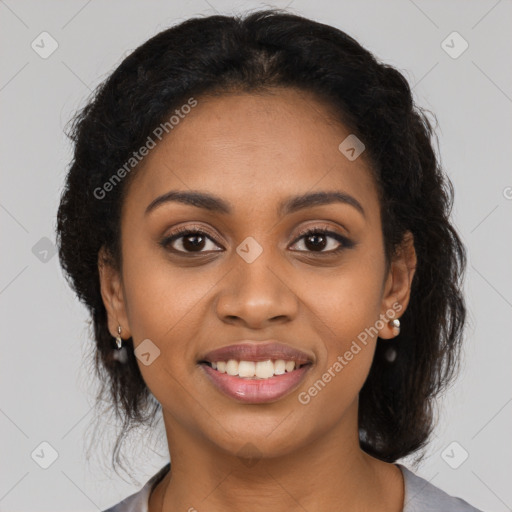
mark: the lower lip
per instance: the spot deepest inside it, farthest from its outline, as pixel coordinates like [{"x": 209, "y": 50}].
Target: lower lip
[{"x": 256, "y": 391}]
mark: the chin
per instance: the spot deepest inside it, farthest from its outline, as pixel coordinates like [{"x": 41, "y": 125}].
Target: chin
[{"x": 256, "y": 441}]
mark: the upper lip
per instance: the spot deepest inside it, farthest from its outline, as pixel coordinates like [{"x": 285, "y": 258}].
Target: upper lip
[{"x": 257, "y": 351}]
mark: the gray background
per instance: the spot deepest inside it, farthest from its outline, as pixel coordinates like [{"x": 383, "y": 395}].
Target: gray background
[{"x": 47, "y": 390}]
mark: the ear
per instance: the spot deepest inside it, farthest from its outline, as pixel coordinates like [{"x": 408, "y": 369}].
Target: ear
[
  {"x": 397, "y": 287},
  {"x": 112, "y": 295}
]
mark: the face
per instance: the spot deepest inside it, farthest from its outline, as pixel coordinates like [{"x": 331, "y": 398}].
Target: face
[{"x": 248, "y": 272}]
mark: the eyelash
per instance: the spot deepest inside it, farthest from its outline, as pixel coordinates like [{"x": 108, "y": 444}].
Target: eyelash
[{"x": 345, "y": 243}]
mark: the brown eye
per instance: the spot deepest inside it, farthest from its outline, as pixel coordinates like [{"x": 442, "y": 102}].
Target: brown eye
[
  {"x": 189, "y": 241},
  {"x": 317, "y": 240}
]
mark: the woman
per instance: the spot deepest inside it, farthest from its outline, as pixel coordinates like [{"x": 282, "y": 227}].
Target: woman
[{"x": 257, "y": 221}]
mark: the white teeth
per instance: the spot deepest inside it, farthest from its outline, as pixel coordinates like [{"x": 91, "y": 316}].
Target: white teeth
[
  {"x": 264, "y": 369},
  {"x": 232, "y": 367},
  {"x": 247, "y": 369},
  {"x": 254, "y": 369},
  {"x": 279, "y": 367}
]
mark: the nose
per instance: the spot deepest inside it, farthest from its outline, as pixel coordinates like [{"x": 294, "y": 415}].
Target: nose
[{"x": 257, "y": 294}]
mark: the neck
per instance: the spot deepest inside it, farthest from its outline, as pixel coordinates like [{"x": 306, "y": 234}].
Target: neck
[{"x": 329, "y": 473}]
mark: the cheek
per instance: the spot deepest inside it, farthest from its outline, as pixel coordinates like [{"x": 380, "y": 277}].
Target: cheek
[
  {"x": 168, "y": 306},
  {"x": 345, "y": 308},
  {"x": 346, "y": 300},
  {"x": 159, "y": 295}
]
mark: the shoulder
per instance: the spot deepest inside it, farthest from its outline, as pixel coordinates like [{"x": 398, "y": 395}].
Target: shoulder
[
  {"x": 422, "y": 496},
  {"x": 138, "y": 502}
]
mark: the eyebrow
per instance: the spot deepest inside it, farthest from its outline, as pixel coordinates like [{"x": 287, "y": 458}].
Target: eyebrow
[{"x": 290, "y": 205}]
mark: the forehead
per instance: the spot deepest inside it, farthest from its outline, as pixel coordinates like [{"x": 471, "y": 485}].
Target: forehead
[{"x": 250, "y": 148}]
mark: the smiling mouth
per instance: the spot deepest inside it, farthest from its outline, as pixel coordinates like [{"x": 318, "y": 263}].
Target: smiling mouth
[
  {"x": 255, "y": 382},
  {"x": 255, "y": 370}
]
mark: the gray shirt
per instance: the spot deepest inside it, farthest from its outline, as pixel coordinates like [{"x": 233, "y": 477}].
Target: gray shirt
[{"x": 420, "y": 496}]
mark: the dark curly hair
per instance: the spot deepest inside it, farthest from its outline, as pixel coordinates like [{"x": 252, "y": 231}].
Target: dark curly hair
[{"x": 259, "y": 52}]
